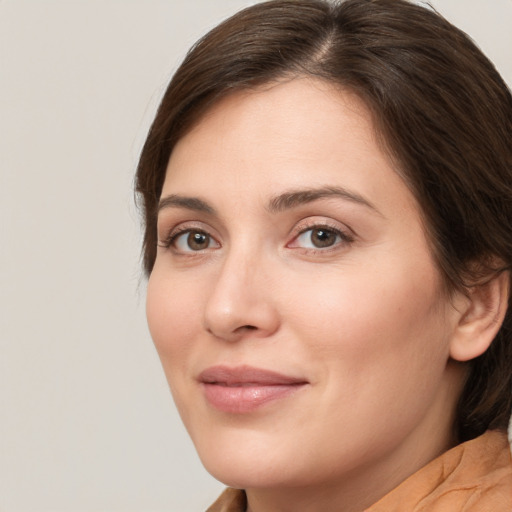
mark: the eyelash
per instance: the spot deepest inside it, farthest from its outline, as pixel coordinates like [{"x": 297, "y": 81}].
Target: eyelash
[
  {"x": 174, "y": 234},
  {"x": 344, "y": 237}
]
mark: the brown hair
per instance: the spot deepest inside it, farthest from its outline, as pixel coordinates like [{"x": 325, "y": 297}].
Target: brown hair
[{"x": 441, "y": 108}]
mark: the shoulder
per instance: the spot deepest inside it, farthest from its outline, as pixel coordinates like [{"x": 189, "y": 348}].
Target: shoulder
[
  {"x": 231, "y": 500},
  {"x": 475, "y": 476}
]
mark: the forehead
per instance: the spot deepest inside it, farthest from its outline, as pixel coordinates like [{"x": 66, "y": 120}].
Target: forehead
[{"x": 302, "y": 132}]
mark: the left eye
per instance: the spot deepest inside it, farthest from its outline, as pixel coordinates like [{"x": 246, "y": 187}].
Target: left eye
[
  {"x": 193, "y": 241},
  {"x": 318, "y": 238}
]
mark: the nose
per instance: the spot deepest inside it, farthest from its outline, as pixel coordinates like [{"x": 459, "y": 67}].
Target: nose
[{"x": 241, "y": 302}]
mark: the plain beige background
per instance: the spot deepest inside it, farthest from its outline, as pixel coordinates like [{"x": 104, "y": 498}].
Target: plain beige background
[{"x": 86, "y": 420}]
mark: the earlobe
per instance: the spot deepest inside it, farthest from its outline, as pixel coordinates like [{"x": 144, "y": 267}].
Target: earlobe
[{"x": 480, "y": 320}]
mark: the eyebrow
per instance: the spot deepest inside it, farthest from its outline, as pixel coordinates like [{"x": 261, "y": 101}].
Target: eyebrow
[
  {"x": 189, "y": 203},
  {"x": 279, "y": 203},
  {"x": 295, "y": 198}
]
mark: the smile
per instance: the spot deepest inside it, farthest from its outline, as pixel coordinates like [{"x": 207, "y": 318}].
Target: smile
[{"x": 244, "y": 389}]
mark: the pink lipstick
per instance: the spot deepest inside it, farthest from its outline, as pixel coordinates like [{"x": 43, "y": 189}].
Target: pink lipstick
[{"x": 244, "y": 389}]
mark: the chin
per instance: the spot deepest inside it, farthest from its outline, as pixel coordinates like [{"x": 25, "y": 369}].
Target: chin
[
  {"x": 247, "y": 463},
  {"x": 253, "y": 475}
]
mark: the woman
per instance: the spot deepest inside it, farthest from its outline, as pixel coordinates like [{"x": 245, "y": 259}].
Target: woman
[{"x": 327, "y": 198}]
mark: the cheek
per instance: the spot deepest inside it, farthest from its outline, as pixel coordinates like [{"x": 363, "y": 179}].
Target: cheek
[
  {"x": 173, "y": 314},
  {"x": 378, "y": 346},
  {"x": 373, "y": 319}
]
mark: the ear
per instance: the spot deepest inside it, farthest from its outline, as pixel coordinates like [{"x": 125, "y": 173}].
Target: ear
[{"x": 480, "y": 317}]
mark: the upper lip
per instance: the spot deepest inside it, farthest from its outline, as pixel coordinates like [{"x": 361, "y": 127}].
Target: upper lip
[{"x": 246, "y": 375}]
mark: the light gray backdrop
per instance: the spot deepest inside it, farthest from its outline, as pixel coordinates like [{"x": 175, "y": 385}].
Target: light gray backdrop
[{"x": 86, "y": 420}]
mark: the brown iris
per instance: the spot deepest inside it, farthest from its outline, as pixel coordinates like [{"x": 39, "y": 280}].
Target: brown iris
[
  {"x": 323, "y": 237},
  {"x": 198, "y": 241}
]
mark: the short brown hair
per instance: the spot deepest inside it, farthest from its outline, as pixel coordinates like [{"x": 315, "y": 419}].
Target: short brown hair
[{"x": 442, "y": 110}]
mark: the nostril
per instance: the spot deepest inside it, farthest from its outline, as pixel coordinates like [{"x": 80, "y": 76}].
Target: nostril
[{"x": 248, "y": 327}]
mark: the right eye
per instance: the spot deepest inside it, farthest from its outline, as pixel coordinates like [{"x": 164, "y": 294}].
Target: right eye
[{"x": 192, "y": 240}]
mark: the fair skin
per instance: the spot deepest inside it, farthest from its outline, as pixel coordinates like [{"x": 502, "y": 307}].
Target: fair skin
[{"x": 289, "y": 243}]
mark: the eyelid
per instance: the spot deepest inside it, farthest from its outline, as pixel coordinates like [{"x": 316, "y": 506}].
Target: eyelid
[
  {"x": 181, "y": 242},
  {"x": 346, "y": 234},
  {"x": 176, "y": 231}
]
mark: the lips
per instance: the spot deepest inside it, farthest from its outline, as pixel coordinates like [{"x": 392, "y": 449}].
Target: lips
[{"x": 244, "y": 389}]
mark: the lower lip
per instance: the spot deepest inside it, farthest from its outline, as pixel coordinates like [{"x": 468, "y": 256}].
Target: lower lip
[{"x": 244, "y": 399}]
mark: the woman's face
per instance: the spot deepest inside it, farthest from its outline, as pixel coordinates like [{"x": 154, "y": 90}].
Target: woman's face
[{"x": 294, "y": 302}]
